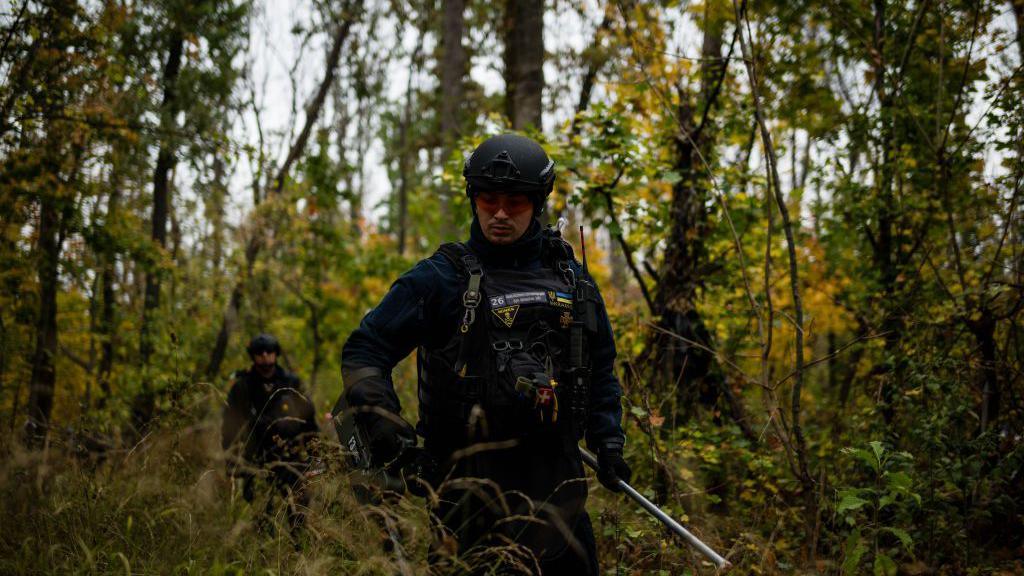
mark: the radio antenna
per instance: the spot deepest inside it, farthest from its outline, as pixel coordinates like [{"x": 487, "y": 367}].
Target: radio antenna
[{"x": 583, "y": 251}]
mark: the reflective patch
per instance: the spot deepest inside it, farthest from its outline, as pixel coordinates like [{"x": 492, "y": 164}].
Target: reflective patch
[
  {"x": 517, "y": 298},
  {"x": 507, "y": 314}
]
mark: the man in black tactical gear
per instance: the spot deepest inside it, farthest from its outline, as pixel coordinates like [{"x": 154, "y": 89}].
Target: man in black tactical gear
[
  {"x": 515, "y": 362},
  {"x": 275, "y": 421}
]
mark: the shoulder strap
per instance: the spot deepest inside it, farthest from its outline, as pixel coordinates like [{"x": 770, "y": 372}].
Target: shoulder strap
[
  {"x": 558, "y": 255},
  {"x": 454, "y": 253},
  {"x": 468, "y": 265},
  {"x": 557, "y": 248}
]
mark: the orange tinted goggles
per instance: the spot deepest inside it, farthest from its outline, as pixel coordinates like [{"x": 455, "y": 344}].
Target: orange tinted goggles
[{"x": 512, "y": 204}]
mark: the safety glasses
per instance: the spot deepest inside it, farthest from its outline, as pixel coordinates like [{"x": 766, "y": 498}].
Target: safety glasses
[{"x": 512, "y": 204}]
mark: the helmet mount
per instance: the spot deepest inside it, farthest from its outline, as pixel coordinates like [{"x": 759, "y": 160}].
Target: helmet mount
[{"x": 501, "y": 166}]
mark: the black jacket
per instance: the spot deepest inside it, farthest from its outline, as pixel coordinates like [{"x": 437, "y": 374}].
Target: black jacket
[
  {"x": 424, "y": 308},
  {"x": 271, "y": 416}
]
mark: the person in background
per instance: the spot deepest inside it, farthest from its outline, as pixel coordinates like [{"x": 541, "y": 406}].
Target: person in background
[{"x": 268, "y": 427}]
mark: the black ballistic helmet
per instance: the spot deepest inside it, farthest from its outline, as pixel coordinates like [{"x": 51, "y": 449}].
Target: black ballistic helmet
[
  {"x": 263, "y": 343},
  {"x": 510, "y": 163}
]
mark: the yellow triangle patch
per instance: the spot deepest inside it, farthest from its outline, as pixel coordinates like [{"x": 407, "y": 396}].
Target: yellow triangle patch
[{"x": 506, "y": 314}]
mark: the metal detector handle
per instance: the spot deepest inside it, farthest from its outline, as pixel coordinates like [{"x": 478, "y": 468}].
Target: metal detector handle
[{"x": 720, "y": 563}]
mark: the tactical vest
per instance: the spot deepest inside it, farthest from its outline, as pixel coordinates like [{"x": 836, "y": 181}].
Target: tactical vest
[
  {"x": 276, "y": 408},
  {"x": 508, "y": 371}
]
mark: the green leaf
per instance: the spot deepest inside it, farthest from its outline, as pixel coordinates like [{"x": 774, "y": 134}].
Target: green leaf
[
  {"x": 878, "y": 449},
  {"x": 850, "y": 501},
  {"x": 671, "y": 177},
  {"x": 884, "y": 566},
  {"x": 864, "y": 456},
  {"x": 853, "y": 551},
  {"x": 903, "y": 536},
  {"x": 899, "y": 481}
]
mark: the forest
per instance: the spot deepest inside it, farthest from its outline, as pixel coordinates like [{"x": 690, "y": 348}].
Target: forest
[{"x": 804, "y": 217}]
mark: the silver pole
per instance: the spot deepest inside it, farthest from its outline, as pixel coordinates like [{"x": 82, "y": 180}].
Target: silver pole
[{"x": 720, "y": 563}]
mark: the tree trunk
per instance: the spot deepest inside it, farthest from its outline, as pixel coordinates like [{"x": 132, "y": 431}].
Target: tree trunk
[
  {"x": 524, "y": 62},
  {"x": 619, "y": 275},
  {"x": 107, "y": 321},
  {"x": 176, "y": 240},
  {"x": 215, "y": 212},
  {"x": 984, "y": 330},
  {"x": 885, "y": 245},
  {"x": 164, "y": 165},
  {"x": 44, "y": 374},
  {"x": 220, "y": 345},
  {"x": 596, "y": 59},
  {"x": 680, "y": 275},
  {"x": 318, "y": 357},
  {"x": 453, "y": 73},
  {"x": 406, "y": 150}
]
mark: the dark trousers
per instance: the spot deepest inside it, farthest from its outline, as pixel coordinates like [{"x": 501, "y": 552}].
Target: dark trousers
[
  {"x": 286, "y": 482},
  {"x": 518, "y": 505},
  {"x": 576, "y": 562}
]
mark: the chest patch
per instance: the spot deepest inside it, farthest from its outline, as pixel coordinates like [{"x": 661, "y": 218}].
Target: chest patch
[
  {"x": 517, "y": 298},
  {"x": 565, "y": 320},
  {"x": 560, "y": 299},
  {"x": 507, "y": 314}
]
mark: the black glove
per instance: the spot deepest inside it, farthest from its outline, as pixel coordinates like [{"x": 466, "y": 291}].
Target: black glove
[
  {"x": 419, "y": 469},
  {"x": 387, "y": 437},
  {"x": 612, "y": 468}
]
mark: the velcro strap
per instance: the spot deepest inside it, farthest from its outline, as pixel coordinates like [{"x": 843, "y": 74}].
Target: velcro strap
[{"x": 353, "y": 376}]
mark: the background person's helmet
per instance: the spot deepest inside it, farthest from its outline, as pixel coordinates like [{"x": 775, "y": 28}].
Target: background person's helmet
[
  {"x": 510, "y": 163},
  {"x": 263, "y": 343}
]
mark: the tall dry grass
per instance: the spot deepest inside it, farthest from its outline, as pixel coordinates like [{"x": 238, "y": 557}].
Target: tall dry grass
[{"x": 164, "y": 505}]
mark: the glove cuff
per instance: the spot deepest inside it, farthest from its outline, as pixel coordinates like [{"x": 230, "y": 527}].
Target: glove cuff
[{"x": 610, "y": 444}]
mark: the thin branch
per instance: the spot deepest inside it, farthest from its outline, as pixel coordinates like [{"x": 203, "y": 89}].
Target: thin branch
[
  {"x": 593, "y": 67},
  {"x": 835, "y": 354},
  {"x": 721, "y": 358},
  {"x": 910, "y": 42},
  {"x": 787, "y": 226},
  {"x": 314, "y": 106},
  {"x": 766, "y": 340},
  {"x": 715, "y": 188},
  {"x": 78, "y": 360},
  {"x": 713, "y": 97},
  {"x": 255, "y": 242},
  {"x": 11, "y": 32},
  {"x": 1006, "y": 230},
  {"x": 963, "y": 77},
  {"x": 1006, "y": 83},
  {"x": 627, "y": 250}
]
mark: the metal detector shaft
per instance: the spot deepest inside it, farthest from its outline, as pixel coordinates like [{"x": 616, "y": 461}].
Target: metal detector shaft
[{"x": 720, "y": 563}]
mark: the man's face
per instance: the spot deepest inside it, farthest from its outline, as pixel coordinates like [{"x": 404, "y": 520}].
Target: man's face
[
  {"x": 503, "y": 217},
  {"x": 265, "y": 362}
]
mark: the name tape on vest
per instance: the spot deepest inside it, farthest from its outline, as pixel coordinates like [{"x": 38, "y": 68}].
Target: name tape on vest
[{"x": 518, "y": 298}]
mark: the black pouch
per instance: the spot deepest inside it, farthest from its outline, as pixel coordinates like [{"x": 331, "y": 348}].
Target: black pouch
[{"x": 526, "y": 381}]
